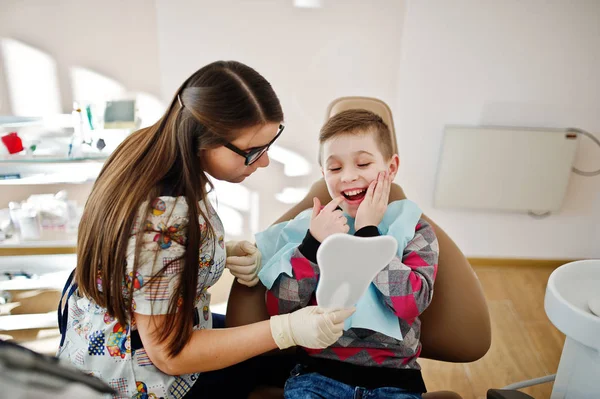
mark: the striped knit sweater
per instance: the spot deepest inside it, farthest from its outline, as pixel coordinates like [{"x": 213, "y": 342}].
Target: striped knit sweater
[{"x": 405, "y": 286}]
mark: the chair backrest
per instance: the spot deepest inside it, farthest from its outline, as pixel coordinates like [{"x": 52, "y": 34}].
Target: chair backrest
[{"x": 370, "y": 104}]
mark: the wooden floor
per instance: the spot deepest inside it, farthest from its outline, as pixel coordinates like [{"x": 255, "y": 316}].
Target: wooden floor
[{"x": 525, "y": 344}]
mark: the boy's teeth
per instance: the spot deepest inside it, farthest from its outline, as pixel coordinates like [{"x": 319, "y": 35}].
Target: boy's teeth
[{"x": 353, "y": 192}]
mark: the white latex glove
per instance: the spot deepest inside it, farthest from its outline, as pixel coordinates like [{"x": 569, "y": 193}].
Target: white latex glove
[
  {"x": 311, "y": 327},
  {"x": 243, "y": 261}
]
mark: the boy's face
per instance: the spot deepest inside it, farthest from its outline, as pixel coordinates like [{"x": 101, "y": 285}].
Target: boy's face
[{"x": 350, "y": 163}]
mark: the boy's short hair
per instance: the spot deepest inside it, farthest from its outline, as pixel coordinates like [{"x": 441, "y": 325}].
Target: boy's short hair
[{"x": 357, "y": 121}]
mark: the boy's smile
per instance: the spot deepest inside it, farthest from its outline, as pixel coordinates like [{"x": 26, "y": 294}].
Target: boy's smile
[
  {"x": 351, "y": 162},
  {"x": 354, "y": 195}
]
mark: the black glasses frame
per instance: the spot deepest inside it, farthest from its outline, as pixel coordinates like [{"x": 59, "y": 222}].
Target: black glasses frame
[{"x": 254, "y": 154}]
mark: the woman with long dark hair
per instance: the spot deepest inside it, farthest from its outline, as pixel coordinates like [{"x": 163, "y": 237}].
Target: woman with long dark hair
[{"x": 150, "y": 244}]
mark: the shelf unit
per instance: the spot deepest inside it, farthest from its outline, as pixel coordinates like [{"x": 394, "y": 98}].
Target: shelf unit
[
  {"x": 47, "y": 278},
  {"x": 50, "y": 171},
  {"x": 45, "y": 172},
  {"x": 14, "y": 247},
  {"x": 49, "y": 164}
]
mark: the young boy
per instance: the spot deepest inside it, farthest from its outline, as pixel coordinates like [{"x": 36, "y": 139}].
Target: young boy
[{"x": 358, "y": 164}]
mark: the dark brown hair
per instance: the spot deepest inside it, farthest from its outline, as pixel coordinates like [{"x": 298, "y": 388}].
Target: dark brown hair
[
  {"x": 358, "y": 121},
  {"x": 216, "y": 102}
]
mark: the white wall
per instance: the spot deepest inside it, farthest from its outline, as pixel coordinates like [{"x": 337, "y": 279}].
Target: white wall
[
  {"x": 309, "y": 56},
  {"x": 504, "y": 62},
  {"x": 113, "y": 38},
  {"x": 514, "y": 63},
  {"x": 116, "y": 39}
]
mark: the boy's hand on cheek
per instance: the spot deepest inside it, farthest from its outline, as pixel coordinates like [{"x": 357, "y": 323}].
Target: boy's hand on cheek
[
  {"x": 327, "y": 221},
  {"x": 371, "y": 210}
]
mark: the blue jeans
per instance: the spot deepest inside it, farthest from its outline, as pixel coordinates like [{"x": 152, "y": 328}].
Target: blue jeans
[{"x": 314, "y": 385}]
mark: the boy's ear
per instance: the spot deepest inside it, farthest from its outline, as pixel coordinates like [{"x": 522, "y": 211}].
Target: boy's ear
[{"x": 394, "y": 165}]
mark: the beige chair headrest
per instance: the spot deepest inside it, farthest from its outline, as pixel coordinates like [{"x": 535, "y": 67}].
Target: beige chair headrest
[{"x": 370, "y": 104}]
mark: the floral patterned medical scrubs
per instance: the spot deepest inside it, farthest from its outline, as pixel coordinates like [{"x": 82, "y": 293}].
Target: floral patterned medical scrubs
[{"x": 97, "y": 344}]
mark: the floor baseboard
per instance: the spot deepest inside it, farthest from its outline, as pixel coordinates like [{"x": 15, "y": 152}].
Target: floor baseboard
[{"x": 521, "y": 262}]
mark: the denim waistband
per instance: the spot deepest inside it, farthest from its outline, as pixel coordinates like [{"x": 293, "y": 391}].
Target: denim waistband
[{"x": 368, "y": 377}]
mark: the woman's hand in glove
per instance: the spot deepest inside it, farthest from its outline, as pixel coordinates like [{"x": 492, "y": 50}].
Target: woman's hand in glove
[{"x": 310, "y": 327}]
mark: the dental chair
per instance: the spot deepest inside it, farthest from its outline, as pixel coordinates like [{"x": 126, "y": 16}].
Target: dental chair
[{"x": 456, "y": 325}]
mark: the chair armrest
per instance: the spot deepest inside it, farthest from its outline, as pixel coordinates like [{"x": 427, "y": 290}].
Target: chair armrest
[{"x": 507, "y": 394}]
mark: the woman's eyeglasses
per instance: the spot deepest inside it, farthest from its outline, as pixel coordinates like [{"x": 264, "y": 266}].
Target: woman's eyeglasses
[{"x": 254, "y": 154}]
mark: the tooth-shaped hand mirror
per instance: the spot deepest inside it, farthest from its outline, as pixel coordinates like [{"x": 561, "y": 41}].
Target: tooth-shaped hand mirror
[{"x": 348, "y": 264}]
